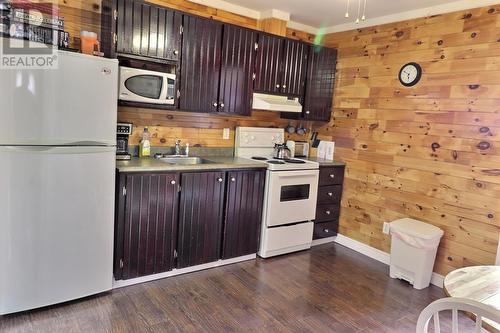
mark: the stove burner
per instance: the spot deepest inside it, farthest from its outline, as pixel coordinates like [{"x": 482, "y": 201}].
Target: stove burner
[
  {"x": 275, "y": 162},
  {"x": 295, "y": 161},
  {"x": 258, "y": 158}
]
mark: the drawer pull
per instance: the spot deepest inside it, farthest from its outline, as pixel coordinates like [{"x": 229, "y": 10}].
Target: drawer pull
[
  {"x": 326, "y": 230},
  {"x": 332, "y": 176},
  {"x": 330, "y": 194},
  {"x": 328, "y": 212}
]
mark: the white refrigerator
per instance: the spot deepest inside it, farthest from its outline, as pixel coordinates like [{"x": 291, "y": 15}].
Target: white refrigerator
[{"x": 57, "y": 178}]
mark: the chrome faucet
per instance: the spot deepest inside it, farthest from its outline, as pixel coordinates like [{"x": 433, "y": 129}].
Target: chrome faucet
[{"x": 178, "y": 148}]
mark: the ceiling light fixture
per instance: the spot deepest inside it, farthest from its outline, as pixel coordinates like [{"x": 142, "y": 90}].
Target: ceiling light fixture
[{"x": 362, "y": 14}]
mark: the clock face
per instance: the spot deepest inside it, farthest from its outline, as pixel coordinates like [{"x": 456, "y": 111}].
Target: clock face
[{"x": 410, "y": 74}]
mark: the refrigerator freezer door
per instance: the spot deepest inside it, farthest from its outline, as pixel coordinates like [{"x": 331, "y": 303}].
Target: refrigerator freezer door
[
  {"x": 56, "y": 225},
  {"x": 74, "y": 104}
]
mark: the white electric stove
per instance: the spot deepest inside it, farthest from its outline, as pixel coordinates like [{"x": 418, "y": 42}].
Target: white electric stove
[{"x": 291, "y": 192}]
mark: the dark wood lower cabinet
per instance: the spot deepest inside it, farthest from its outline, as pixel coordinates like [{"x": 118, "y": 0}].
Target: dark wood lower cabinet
[
  {"x": 146, "y": 234},
  {"x": 245, "y": 195},
  {"x": 331, "y": 179},
  {"x": 176, "y": 220},
  {"x": 200, "y": 218}
]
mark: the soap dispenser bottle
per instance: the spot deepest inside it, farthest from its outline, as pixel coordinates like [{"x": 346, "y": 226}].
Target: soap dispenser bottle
[{"x": 145, "y": 145}]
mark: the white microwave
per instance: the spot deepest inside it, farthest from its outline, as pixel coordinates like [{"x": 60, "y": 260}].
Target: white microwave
[{"x": 139, "y": 85}]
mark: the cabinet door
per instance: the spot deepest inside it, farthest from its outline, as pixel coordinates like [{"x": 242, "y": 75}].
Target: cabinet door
[
  {"x": 150, "y": 224},
  {"x": 200, "y": 218},
  {"x": 294, "y": 68},
  {"x": 320, "y": 84},
  {"x": 245, "y": 196},
  {"x": 148, "y": 30},
  {"x": 200, "y": 65},
  {"x": 238, "y": 62},
  {"x": 268, "y": 73}
]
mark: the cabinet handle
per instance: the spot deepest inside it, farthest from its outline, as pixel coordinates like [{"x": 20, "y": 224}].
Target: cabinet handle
[
  {"x": 219, "y": 180},
  {"x": 172, "y": 182},
  {"x": 327, "y": 212},
  {"x": 215, "y": 104},
  {"x": 233, "y": 179},
  {"x": 326, "y": 230},
  {"x": 176, "y": 52},
  {"x": 332, "y": 176},
  {"x": 330, "y": 194},
  {"x": 307, "y": 112},
  {"x": 221, "y": 105},
  {"x": 284, "y": 86},
  {"x": 277, "y": 86}
]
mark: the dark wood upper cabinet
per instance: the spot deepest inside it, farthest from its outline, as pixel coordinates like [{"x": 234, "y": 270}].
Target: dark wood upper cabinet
[
  {"x": 268, "y": 73},
  {"x": 200, "y": 218},
  {"x": 281, "y": 66},
  {"x": 245, "y": 196},
  {"x": 237, "y": 66},
  {"x": 147, "y": 30},
  {"x": 320, "y": 83},
  {"x": 200, "y": 64},
  {"x": 146, "y": 224},
  {"x": 295, "y": 65}
]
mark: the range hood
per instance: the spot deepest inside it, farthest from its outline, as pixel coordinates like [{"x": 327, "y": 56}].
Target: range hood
[{"x": 276, "y": 103}]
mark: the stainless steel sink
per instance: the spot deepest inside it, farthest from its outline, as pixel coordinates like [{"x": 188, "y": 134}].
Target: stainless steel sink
[{"x": 185, "y": 160}]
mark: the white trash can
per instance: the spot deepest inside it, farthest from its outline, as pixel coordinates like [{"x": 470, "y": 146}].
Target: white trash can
[{"x": 414, "y": 246}]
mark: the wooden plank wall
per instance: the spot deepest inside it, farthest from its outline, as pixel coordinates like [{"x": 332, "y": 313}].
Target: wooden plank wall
[
  {"x": 196, "y": 128},
  {"x": 431, "y": 152}
]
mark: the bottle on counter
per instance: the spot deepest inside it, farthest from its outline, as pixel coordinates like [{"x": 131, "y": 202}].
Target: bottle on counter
[{"x": 145, "y": 144}]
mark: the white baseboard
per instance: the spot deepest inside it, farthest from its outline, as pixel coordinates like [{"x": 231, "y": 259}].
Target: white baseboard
[
  {"x": 381, "y": 256},
  {"x": 174, "y": 272},
  {"x": 320, "y": 241}
]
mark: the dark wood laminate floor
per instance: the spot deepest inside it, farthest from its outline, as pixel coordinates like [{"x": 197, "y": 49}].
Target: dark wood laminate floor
[{"x": 327, "y": 289}]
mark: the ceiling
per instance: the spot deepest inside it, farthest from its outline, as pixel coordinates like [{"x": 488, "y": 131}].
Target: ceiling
[{"x": 330, "y": 13}]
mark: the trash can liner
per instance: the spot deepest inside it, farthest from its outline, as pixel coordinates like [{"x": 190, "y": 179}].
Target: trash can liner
[{"x": 419, "y": 243}]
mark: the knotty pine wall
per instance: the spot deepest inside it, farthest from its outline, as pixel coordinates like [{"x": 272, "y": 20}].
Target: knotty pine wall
[
  {"x": 198, "y": 129},
  {"x": 431, "y": 152}
]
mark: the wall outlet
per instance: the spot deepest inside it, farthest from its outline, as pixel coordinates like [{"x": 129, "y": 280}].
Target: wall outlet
[
  {"x": 225, "y": 133},
  {"x": 386, "y": 228}
]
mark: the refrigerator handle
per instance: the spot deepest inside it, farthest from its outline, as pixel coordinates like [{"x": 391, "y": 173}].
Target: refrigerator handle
[{"x": 58, "y": 149}]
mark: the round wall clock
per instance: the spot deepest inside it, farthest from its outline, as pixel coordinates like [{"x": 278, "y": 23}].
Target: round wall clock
[{"x": 410, "y": 74}]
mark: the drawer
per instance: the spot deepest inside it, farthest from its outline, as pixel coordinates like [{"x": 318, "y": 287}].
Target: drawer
[
  {"x": 325, "y": 229},
  {"x": 330, "y": 194},
  {"x": 331, "y": 176},
  {"x": 327, "y": 212}
]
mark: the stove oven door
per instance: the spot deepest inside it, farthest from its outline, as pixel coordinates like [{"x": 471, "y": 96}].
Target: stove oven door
[{"x": 290, "y": 196}]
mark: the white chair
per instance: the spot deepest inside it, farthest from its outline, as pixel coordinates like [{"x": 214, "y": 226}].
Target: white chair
[{"x": 455, "y": 304}]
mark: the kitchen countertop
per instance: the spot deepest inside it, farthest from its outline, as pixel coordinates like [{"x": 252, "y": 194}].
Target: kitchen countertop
[
  {"x": 150, "y": 164},
  {"x": 323, "y": 162}
]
